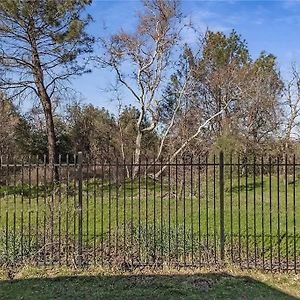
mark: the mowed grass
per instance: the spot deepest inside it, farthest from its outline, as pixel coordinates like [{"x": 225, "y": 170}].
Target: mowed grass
[
  {"x": 258, "y": 212},
  {"x": 256, "y": 209},
  {"x": 32, "y": 283}
]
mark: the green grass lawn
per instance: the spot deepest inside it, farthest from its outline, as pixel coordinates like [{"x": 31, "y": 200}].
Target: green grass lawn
[
  {"x": 149, "y": 214},
  {"x": 228, "y": 284}
]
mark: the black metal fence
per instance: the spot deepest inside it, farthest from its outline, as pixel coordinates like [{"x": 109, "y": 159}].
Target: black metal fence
[{"x": 186, "y": 212}]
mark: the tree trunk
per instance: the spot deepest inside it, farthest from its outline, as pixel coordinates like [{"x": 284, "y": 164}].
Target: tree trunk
[
  {"x": 51, "y": 137},
  {"x": 122, "y": 148},
  {"x": 45, "y": 100},
  {"x": 137, "y": 154}
]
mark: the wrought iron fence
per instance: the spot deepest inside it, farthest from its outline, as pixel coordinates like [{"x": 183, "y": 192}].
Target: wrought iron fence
[{"x": 182, "y": 212}]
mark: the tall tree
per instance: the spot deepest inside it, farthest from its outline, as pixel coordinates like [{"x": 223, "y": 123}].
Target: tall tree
[
  {"x": 148, "y": 52},
  {"x": 220, "y": 74},
  {"x": 224, "y": 72},
  {"x": 92, "y": 130},
  {"x": 291, "y": 108},
  {"x": 143, "y": 61},
  {"x": 258, "y": 112},
  {"x": 127, "y": 126},
  {"x": 41, "y": 42}
]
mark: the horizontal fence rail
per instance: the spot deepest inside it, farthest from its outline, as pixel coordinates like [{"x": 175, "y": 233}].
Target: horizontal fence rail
[{"x": 186, "y": 212}]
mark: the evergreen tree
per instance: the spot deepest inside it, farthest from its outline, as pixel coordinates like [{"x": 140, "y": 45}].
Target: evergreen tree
[{"x": 41, "y": 43}]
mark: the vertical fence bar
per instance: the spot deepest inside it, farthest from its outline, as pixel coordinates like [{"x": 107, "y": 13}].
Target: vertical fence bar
[
  {"x": 117, "y": 208},
  {"x": 206, "y": 209},
  {"x": 239, "y": 208},
  {"x": 222, "y": 227},
  {"x": 262, "y": 214},
  {"x": 109, "y": 211},
  {"x": 184, "y": 211},
  {"x": 139, "y": 210},
  {"x": 29, "y": 203},
  {"x": 67, "y": 209},
  {"x": 192, "y": 210},
  {"x": 161, "y": 212},
  {"x": 59, "y": 208},
  {"x": 132, "y": 170},
  {"x": 147, "y": 212},
  {"x": 45, "y": 207},
  {"x": 278, "y": 214},
  {"x": 7, "y": 186},
  {"x": 286, "y": 212},
  {"x": 79, "y": 211},
  {"x": 37, "y": 204},
  {"x": 231, "y": 210},
  {"x": 154, "y": 211},
  {"x": 294, "y": 213},
  {"x": 214, "y": 209},
  {"x": 1, "y": 195},
  {"x": 87, "y": 183},
  {"x": 247, "y": 215},
  {"x": 95, "y": 209},
  {"x": 15, "y": 210},
  {"x": 102, "y": 213},
  {"x": 254, "y": 211},
  {"x": 176, "y": 210},
  {"x": 22, "y": 210},
  {"x": 199, "y": 212},
  {"x": 52, "y": 167},
  {"x": 75, "y": 206},
  {"x": 169, "y": 210},
  {"x": 270, "y": 213}
]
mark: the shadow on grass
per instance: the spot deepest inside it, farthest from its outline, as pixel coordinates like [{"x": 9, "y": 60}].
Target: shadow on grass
[
  {"x": 242, "y": 188},
  {"x": 196, "y": 286}
]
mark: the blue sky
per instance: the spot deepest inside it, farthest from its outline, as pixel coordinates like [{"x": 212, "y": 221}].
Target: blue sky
[{"x": 273, "y": 26}]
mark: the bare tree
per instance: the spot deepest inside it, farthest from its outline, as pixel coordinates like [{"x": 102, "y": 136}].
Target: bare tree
[
  {"x": 291, "y": 106},
  {"x": 147, "y": 55},
  {"x": 143, "y": 62}
]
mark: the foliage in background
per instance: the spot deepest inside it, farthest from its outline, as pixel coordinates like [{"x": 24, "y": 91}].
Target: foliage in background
[{"x": 176, "y": 88}]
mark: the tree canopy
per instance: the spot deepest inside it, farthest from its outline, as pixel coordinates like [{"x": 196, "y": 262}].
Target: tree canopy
[{"x": 41, "y": 43}]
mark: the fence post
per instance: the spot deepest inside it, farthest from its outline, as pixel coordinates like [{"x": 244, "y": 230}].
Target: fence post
[
  {"x": 222, "y": 229},
  {"x": 79, "y": 180}
]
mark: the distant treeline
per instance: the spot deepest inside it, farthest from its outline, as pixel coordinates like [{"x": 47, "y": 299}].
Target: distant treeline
[{"x": 187, "y": 98}]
